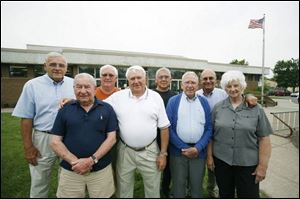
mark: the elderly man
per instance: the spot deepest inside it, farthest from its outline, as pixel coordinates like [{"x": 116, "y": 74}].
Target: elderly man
[
  {"x": 108, "y": 79},
  {"x": 163, "y": 80},
  {"x": 84, "y": 132},
  {"x": 140, "y": 112},
  {"x": 190, "y": 132},
  {"x": 37, "y": 107}
]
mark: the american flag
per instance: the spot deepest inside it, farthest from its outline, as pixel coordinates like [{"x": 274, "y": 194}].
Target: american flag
[{"x": 256, "y": 23}]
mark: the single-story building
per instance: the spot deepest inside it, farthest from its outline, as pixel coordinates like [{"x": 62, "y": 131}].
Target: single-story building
[{"x": 20, "y": 65}]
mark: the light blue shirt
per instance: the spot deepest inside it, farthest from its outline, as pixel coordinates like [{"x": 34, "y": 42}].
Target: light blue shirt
[
  {"x": 40, "y": 98},
  {"x": 214, "y": 97},
  {"x": 191, "y": 120}
]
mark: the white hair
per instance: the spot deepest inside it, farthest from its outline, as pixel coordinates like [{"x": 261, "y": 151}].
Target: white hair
[
  {"x": 162, "y": 69},
  {"x": 135, "y": 68},
  {"x": 109, "y": 66},
  {"x": 83, "y": 75},
  {"x": 233, "y": 75},
  {"x": 190, "y": 73},
  {"x": 54, "y": 54}
]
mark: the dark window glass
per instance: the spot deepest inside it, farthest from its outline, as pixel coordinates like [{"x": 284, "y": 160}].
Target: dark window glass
[{"x": 18, "y": 71}]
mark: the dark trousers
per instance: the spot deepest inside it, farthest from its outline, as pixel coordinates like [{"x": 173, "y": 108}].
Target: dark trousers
[
  {"x": 235, "y": 178},
  {"x": 166, "y": 180}
]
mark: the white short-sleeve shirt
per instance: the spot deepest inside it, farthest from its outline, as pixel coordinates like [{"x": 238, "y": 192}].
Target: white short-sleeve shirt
[{"x": 140, "y": 117}]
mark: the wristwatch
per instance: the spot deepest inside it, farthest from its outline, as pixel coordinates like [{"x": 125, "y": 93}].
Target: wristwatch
[
  {"x": 94, "y": 159},
  {"x": 163, "y": 153}
]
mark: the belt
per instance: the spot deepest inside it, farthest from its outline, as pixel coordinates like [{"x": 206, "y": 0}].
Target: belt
[
  {"x": 48, "y": 132},
  {"x": 137, "y": 148},
  {"x": 191, "y": 144}
]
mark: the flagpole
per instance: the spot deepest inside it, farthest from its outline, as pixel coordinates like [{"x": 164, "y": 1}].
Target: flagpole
[{"x": 263, "y": 64}]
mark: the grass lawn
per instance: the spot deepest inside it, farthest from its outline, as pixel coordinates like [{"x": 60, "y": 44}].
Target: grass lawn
[{"x": 15, "y": 177}]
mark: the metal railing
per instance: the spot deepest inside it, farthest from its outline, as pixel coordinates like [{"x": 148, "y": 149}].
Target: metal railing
[{"x": 285, "y": 123}]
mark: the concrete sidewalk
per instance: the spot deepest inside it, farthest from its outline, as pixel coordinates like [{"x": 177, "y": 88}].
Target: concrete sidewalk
[{"x": 282, "y": 180}]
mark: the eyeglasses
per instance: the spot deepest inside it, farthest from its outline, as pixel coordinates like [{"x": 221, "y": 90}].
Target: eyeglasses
[
  {"x": 208, "y": 78},
  {"x": 164, "y": 76},
  {"x": 107, "y": 74},
  {"x": 59, "y": 65}
]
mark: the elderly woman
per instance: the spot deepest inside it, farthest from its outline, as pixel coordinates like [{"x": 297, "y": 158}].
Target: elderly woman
[{"x": 240, "y": 149}]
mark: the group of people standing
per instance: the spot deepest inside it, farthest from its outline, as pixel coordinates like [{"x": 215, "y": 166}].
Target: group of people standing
[{"x": 106, "y": 134}]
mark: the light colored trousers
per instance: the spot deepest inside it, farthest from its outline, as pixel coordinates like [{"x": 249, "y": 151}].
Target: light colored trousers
[
  {"x": 128, "y": 161},
  {"x": 41, "y": 173}
]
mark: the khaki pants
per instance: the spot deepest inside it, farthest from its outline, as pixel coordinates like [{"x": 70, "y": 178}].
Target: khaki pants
[
  {"x": 144, "y": 161},
  {"x": 100, "y": 184},
  {"x": 41, "y": 173}
]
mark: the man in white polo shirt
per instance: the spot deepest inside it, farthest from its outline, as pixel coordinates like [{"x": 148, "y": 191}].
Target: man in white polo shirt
[{"x": 140, "y": 111}]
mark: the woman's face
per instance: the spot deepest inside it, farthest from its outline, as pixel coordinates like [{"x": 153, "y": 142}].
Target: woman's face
[{"x": 234, "y": 89}]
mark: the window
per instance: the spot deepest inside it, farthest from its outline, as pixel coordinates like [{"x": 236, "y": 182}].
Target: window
[{"x": 18, "y": 71}]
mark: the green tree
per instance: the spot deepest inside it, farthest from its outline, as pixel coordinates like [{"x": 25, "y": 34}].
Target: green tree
[
  {"x": 241, "y": 62},
  {"x": 286, "y": 73}
]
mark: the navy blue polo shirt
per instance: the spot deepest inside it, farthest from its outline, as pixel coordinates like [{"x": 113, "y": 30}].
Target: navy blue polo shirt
[{"x": 84, "y": 132}]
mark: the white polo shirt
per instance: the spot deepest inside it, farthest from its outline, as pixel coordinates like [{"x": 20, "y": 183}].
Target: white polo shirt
[{"x": 140, "y": 117}]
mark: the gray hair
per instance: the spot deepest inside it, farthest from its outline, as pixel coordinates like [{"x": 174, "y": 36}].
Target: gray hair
[
  {"x": 83, "y": 75},
  {"x": 135, "y": 68},
  {"x": 162, "y": 69},
  {"x": 190, "y": 73},
  {"x": 108, "y": 66},
  {"x": 54, "y": 54},
  {"x": 233, "y": 75}
]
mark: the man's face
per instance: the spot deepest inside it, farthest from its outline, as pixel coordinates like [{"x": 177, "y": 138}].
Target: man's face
[
  {"x": 84, "y": 91},
  {"x": 108, "y": 78},
  {"x": 56, "y": 67},
  {"x": 137, "y": 82},
  {"x": 163, "y": 80},
  {"x": 189, "y": 85},
  {"x": 208, "y": 81}
]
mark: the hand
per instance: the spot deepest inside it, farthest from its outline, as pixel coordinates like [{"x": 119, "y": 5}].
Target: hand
[
  {"x": 191, "y": 152},
  {"x": 251, "y": 100},
  {"x": 161, "y": 162},
  {"x": 210, "y": 163},
  {"x": 63, "y": 101},
  {"x": 31, "y": 155},
  {"x": 260, "y": 173},
  {"x": 82, "y": 165}
]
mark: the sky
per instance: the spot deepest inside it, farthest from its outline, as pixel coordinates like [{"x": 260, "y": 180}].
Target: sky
[{"x": 212, "y": 31}]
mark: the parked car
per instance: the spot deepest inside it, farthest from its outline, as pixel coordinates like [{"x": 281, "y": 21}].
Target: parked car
[
  {"x": 295, "y": 94},
  {"x": 282, "y": 92}
]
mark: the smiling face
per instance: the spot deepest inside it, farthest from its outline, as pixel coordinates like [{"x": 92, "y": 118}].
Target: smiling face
[
  {"x": 84, "y": 90},
  {"x": 189, "y": 85},
  {"x": 56, "y": 67},
  {"x": 234, "y": 89},
  {"x": 163, "y": 80},
  {"x": 108, "y": 78},
  {"x": 208, "y": 81},
  {"x": 137, "y": 82}
]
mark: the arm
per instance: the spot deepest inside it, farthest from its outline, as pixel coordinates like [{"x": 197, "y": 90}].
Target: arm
[
  {"x": 174, "y": 139},
  {"x": 264, "y": 156},
  {"x": 210, "y": 159},
  {"x": 164, "y": 141},
  {"x": 61, "y": 150},
  {"x": 31, "y": 153}
]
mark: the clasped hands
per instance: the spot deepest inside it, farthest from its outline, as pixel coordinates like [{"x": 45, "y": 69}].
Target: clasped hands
[{"x": 82, "y": 166}]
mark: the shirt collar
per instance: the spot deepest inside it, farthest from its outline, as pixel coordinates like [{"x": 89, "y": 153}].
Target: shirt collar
[
  {"x": 144, "y": 96},
  {"x": 52, "y": 81},
  {"x": 187, "y": 98}
]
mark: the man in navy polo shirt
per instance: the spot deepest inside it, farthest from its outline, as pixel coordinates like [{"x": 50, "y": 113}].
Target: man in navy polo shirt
[{"x": 84, "y": 132}]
